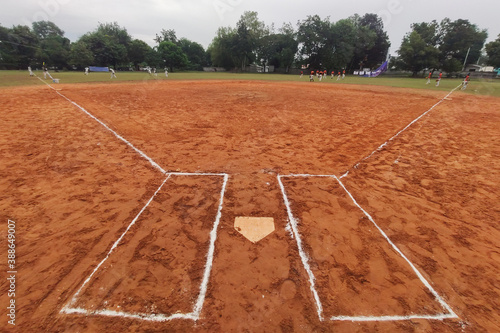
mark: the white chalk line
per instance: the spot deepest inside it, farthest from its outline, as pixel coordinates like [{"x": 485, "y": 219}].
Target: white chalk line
[
  {"x": 393, "y": 318},
  {"x": 303, "y": 256},
  {"x": 439, "y": 299},
  {"x": 398, "y": 133},
  {"x": 417, "y": 272},
  {"x": 141, "y": 153},
  {"x": 46, "y": 83},
  {"x": 75, "y": 296},
  {"x": 140, "y": 316},
  {"x": 149, "y": 159},
  {"x": 195, "y": 314},
  {"x": 213, "y": 236},
  {"x": 210, "y": 255}
]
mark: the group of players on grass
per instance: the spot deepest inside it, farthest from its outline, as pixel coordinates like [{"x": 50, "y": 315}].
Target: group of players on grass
[
  {"x": 319, "y": 74},
  {"x": 323, "y": 74},
  {"x": 465, "y": 82}
]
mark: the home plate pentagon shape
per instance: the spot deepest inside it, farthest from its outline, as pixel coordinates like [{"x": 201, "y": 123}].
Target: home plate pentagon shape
[{"x": 254, "y": 228}]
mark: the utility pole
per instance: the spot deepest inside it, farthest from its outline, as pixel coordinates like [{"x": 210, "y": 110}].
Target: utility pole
[{"x": 465, "y": 62}]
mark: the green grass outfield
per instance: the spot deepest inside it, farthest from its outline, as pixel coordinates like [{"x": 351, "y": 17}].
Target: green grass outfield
[{"x": 21, "y": 78}]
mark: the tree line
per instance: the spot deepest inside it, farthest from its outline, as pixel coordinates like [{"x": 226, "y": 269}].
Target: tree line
[{"x": 319, "y": 43}]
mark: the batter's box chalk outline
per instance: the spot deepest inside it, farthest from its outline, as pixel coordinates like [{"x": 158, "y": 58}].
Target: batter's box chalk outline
[
  {"x": 293, "y": 225},
  {"x": 159, "y": 317}
]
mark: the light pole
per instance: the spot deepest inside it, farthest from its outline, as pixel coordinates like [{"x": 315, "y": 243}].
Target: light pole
[{"x": 463, "y": 68}]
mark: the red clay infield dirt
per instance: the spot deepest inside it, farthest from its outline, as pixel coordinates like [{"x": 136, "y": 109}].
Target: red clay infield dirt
[{"x": 73, "y": 188}]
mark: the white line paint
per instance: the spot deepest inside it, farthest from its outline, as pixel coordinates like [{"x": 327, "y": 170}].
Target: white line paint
[
  {"x": 149, "y": 159},
  {"x": 47, "y": 84},
  {"x": 302, "y": 253},
  {"x": 197, "y": 307},
  {"x": 141, "y": 153},
  {"x": 114, "y": 247},
  {"x": 417, "y": 272},
  {"x": 401, "y": 131},
  {"x": 344, "y": 175},
  {"x": 394, "y": 318},
  {"x": 304, "y": 175},
  {"x": 213, "y": 236},
  {"x": 439, "y": 299},
  {"x": 210, "y": 255},
  {"x": 197, "y": 174},
  {"x": 140, "y": 316}
]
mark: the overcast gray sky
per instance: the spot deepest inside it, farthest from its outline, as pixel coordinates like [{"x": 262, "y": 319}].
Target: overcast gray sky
[{"x": 198, "y": 20}]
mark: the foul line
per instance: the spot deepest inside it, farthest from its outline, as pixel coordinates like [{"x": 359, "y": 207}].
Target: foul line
[
  {"x": 398, "y": 133},
  {"x": 142, "y": 154},
  {"x": 304, "y": 258},
  {"x": 195, "y": 314},
  {"x": 149, "y": 159}
]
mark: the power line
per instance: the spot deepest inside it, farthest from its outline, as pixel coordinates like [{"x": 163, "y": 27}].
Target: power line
[{"x": 24, "y": 45}]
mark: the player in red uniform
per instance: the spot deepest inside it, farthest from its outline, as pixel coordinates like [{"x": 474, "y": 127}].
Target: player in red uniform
[
  {"x": 439, "y": 79},
  {"x": 429, "y": 77}
]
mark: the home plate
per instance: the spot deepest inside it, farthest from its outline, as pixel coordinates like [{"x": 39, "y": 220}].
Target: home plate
[{"x": 254, "y": 228}]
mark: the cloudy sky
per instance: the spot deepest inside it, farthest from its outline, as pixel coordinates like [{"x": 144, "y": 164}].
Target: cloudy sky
[{"x": 198, "y": 20}]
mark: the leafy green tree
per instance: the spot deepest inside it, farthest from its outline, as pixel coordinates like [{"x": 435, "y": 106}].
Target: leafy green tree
[
  {"x": 342, "y": 48},
  {"x": 364, "y": 40},
  {"x": 166, "y": 36},
  {"x": 45, "y": 29},
  {"x": 278, "y": 49},
  {"x": 312, "y": 38},
  {"x": 115, "y": 32},
  {"x": 108, "y": 44},
  {"x": 153, "y": 58},
  {"x": 245, "y": 42},
  {"x": 138, "y": 51},
  {"x": 430, "y": 32},
  {"x": 221, "y": 48},
  {"x": 24, "y": 45},
  {"x": 8, "y": 52},
  {"x": 54, "y": 48},
  {"x": 243, "y": 45},
  {"x": 415, "y": 54},
  {"x": 194, "y": 52},
  {"x": 172, "y": 55},
  {"x": 105, "y": 50},
  {"x": 458, "y": 37},
  {"x": 378, "y": 53},
  {"x": 493, "y": 52},
  {"x": 80, "y": 55},
  {"x": 287, "y": 46}
]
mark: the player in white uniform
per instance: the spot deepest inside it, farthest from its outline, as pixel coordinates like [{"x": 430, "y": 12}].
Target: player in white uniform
[
  {"x": 466, "y": 82},
  {"x": 112, "y": 73},
  {"x": 86, "y": 71}
]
